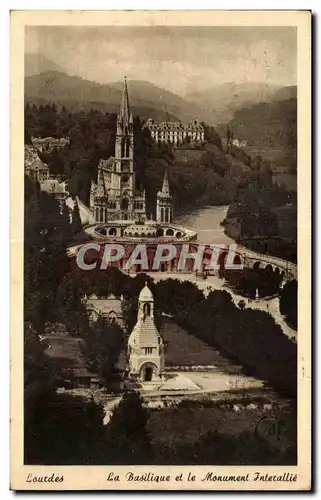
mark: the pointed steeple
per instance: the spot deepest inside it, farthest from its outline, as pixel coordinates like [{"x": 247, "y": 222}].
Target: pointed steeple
[
  {"x": 125, "y": 115},
  {"x": 165, "y": 187},
  {"x": 101, "y": 188}
]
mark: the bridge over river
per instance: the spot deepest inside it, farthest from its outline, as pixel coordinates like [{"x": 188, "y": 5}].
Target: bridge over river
[{"x": 207, "y": 224}]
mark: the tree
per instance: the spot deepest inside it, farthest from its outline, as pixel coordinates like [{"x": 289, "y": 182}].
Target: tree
[
  {"x": 228, "y": 139},
  {"x": 241, "y": 304},
  {"x": 105, "y": 343},
  {"x": 76, "y": 226},
  {"x": 126, "y": 432},
  {"x": 65, "y": 221},
  {"x": 289, "y": 303},
  {"x": 45, "y": 259},
  {"x": 65, "y": 430}
]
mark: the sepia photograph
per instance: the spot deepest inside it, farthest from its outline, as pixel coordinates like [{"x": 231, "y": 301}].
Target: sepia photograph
[{"x": 160, "y": 178}]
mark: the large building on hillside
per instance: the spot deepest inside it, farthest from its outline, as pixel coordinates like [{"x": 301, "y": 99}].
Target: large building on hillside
[
  {"x": 48, "y": 144},
  {"x": 175, "y": 132}
]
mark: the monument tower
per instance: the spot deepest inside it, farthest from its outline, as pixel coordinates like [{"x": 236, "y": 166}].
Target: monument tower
[{"x": 145, "y": 345}]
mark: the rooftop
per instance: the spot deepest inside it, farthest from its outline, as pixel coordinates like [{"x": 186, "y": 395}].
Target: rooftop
[
  {"x": 145, "y": 333},
  {"x": 104, "y": 305}
]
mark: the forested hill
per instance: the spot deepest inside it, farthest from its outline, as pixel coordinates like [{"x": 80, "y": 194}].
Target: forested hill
[
  {"x": 221, "y": 101},
  {"x": 270, "y": 124},
  {"x": 76, "y": 93},
  {"x": 199, "y": 175}
]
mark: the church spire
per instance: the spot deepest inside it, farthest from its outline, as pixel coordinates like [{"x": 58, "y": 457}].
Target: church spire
[
  {"x": 101, "y": 188},
  {"x": 125, "y": 115},
  {"x": 165, "y": 187},
  {"x": 164, "y": 210}
]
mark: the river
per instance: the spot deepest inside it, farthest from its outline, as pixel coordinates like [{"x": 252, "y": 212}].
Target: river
[{"x": 206, "y": 222}]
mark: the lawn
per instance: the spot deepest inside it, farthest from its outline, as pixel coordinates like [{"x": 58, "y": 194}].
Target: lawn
[
  {"x": 172, "y": 426},
  {"x": 67, "y": 352},
  {"x": 183, "y": 349}
]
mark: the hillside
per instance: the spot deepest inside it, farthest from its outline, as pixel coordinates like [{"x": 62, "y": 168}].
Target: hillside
[
  {"x": 221, "y": 101},
  {"x": 46, "y": 82},
  {"x": 267, "y": 124},
  {"x": 160, "y": 99},
  {"x": 38, "y": 63},
  {"x": 198, "y": 177},
  {"x": 284, "y": 93},
  {"x": 76, "y": 93},
  {"x": 270, "y": 130},
  {"x": 76, "y": 106}
]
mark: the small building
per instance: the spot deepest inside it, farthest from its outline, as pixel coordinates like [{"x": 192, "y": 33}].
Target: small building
[
  {"x": 109, "y": 309},
  {"x": 55, "y": 188},
  {"x": 35, "y": 168},
  {"x": 145, "y": 345}
]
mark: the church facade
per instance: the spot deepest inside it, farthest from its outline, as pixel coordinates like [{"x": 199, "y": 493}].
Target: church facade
[
  {"x": 145, "y": 345},
  {"x": 114, "y": 196},
  {"x": 117, "y": 208}
]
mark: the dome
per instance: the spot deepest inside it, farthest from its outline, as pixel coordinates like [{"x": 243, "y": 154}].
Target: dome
[{"x": 145, "y": 294}]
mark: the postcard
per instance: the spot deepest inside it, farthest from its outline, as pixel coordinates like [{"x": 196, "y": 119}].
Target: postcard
[{"x": 160, "y": 250}]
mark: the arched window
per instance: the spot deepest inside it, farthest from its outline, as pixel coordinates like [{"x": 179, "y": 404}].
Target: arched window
[
  {"x": 106, "y": 214},
  {"x": 162, "y": 214},
  {"x": 127, "y": 147},
  {"x": 101, "y": 215},
  {"x": 124, "y": 204},
  {"x": 147, "y": 309},
  {"x": 112, "y": 231},
  {"x": 97, "y": 214},
  {"x": 166, "y": 215},
  {"x": 112, "y": 317},
  {"x": 169, "y": 232}
]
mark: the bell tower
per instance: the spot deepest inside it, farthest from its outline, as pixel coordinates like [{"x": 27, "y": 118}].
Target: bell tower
[
  {"x": 164, "y": 210},
  {"x": 145, "y": 345},
  {"x": 123, "y": 177}
]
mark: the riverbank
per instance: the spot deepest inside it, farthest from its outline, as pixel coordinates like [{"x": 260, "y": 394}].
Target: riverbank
[
  {"x": 207, "y": 223},
  {"x": 278, "y": 231}
]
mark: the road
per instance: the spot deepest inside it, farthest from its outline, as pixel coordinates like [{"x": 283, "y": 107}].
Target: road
[{"x": 270, "y": 306}]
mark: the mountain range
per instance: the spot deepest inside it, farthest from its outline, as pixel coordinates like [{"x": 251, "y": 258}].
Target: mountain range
[
  {"x": 221, "y": 101},
  {"x": 46, "y": 82}
]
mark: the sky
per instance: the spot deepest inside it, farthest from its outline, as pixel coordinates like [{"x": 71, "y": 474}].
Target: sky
[{"x": 180, "y": 59}]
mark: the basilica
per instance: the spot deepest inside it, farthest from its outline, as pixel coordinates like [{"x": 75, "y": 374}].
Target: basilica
[
  {"x": 114, "y": 196},
  {"x": 117, "y": 208}
]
